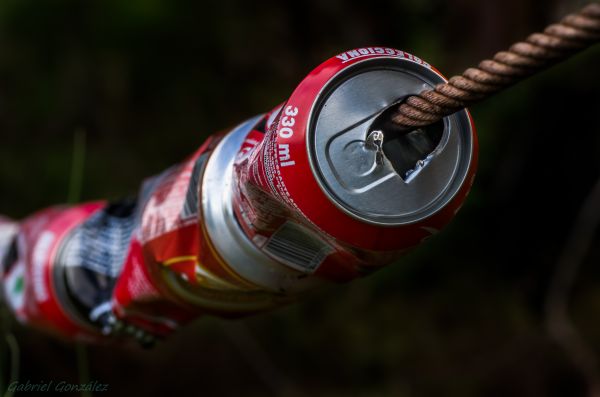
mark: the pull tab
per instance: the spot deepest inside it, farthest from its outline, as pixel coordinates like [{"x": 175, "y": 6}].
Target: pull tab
[{"x": 374, "y": 141}]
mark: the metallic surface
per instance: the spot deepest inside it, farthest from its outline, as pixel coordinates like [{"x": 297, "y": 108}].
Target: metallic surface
[
  {"x": 346, "y": 166},
  {"x": 58, "y": 278},
  {"x": 238, "y": 251}
]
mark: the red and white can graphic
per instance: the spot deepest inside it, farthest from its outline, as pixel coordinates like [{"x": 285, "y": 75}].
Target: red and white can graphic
[{"x": 331, "y": 190}]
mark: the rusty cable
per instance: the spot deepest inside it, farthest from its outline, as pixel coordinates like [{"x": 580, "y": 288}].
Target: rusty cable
[{"x": 537, "y": 52}]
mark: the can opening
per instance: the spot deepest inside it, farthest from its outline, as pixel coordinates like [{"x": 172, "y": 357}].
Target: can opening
[{"x": 407, "y": 152}]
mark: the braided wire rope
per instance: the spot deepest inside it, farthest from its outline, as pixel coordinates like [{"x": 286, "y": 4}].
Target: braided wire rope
[{"x": 537, "y": 52}]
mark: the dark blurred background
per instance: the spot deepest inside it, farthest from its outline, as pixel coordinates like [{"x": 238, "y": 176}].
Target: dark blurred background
[{"x": 463, "y": 315}]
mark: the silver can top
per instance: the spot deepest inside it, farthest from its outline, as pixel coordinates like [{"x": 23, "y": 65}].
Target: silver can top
[{"x": 372, "y": 172}]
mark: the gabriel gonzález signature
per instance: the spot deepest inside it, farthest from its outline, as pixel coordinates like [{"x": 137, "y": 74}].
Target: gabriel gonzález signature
[{"x": 57, "y": 386}]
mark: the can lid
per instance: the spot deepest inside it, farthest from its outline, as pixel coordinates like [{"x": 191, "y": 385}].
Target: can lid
[{"x": 367, "y": 169}]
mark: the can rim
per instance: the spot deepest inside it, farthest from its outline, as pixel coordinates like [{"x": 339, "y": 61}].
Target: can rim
[
  {"x": 59, "y": 286},
  {"x": 463, "y": 119},
  {"x": 222, "y": 226}
]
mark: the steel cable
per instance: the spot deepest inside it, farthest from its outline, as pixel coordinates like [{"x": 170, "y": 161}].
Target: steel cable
[{"x": 557, "y": 42}]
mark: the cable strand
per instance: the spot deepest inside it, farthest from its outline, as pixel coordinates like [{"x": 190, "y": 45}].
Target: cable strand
[{"x": 537, "y": 52}]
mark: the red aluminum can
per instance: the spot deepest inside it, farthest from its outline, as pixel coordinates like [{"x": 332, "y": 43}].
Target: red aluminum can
[
  {"x": 33, "y": 282},
  {"x": 331, "y": 189}
]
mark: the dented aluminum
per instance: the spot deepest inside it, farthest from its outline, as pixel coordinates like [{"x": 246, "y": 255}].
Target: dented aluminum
[{"x": 321, "y": 189}]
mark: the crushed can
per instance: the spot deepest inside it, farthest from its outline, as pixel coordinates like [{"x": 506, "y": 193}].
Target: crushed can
[{"x": 322, "y": 189}]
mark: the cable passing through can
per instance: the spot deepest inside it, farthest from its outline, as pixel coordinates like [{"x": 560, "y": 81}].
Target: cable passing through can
[{"x": 324, "y": 188}]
